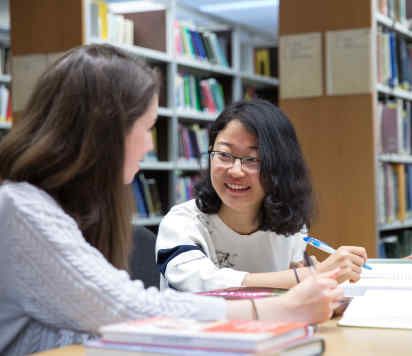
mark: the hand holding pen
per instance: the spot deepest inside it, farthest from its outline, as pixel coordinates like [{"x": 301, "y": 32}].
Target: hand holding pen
[{"x": 349, "y": 259}]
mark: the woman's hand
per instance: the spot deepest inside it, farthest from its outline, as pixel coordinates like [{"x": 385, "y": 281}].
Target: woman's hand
[
  {"x": 349, "y": 259},
  {"x": 311, "y": 301}
]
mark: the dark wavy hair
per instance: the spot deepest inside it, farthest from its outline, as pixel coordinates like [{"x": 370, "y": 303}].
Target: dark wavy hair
[
  {"x": 288, "y": 204},
  {"x": 70, "y": 140}
]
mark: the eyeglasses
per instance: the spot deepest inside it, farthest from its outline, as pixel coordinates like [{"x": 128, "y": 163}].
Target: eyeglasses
[{"x": 227, "y": 160}]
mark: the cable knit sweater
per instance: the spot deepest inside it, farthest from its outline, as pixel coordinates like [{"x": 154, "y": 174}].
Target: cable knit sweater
[{"x": 56, "y": 289}]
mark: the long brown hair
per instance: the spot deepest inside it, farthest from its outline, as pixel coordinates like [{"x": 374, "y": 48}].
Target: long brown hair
[{"x": 70, "y": 138}]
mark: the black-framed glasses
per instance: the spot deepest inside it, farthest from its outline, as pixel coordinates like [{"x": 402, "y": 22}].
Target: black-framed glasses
[{"x": 227, "y": 160}]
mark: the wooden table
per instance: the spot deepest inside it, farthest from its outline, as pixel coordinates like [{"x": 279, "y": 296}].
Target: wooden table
[{"x": 339, "y": 341}]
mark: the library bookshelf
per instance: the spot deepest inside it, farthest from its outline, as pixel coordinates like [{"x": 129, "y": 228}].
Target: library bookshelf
[
  {"x": 345, "y": 137},
  {"x": 154, "y": 39}
]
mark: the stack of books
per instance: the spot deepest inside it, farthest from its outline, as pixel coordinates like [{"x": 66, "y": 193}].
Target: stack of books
[
  {"x": 190, "y": 337},
  {"x": 244, "y": 292}
]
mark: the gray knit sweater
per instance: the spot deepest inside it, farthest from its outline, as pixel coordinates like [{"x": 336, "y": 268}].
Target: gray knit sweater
[{"x": 56, "y": 289}]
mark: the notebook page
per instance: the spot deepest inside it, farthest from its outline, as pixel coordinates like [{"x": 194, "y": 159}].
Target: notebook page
[
  {"x": 400, "y": 272},
  {"x": 382, "y": 276},
  {"x": 379, "y": 309}
]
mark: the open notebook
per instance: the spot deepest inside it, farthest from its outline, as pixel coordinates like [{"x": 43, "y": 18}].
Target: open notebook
[
  {"x": 380, "y": 309},
  {"x": 387, "y": 276}
]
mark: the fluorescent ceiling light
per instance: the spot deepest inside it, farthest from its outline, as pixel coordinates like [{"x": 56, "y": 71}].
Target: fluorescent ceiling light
[
  {"x": 239, "y": 5},
  {"x": 135, "y": 6}
]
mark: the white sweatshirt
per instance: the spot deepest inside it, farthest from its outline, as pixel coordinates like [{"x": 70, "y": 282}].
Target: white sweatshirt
[{"x": 198, "y": 252}]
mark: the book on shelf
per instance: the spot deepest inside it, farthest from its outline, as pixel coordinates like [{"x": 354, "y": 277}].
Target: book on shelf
[
  {"x": 199, "y": 44},
  {"x": 151, "y": 194},
  {"x": 153, "y": 154},
  {"x": 193, "y": 141},
  {"x": 395, "y": 244},
  {"x": 408, "y": 178},
  {"x": 398, "y": 10},
  {"x": 404, "y": 63},
  {"x": 393, "y": 59},
  {"x": 201, "y": 95},
  {"x": 98, "y": 19},
  {"x": 395, "y": 122},
  {"x": 5, "y": 104},
  {"x": 262, "y": 62},
  {"x": 146, "y": 196},
  {"x": 185, "y": 188},
  {"x": 389, "y": 125},
  {"x": 120, "y": 29},
  {"x": 253, "y": 92},
  {"x": 244, "y": 292},
  {"x": 389, "y": 246},
  {"x": 108, "y": 26},
  {"x": 395, "y": 192},
  {"x": 191, "y": 337},
  {"x": 141, "y": 207},
  {"x": 265, "y": 61},
  {"x": 5, "y": 60}
]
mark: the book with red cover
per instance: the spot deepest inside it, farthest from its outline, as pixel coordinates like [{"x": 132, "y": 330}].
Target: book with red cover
[
  {"x": 242, "y": 336},
  {"x": 244, "y": 292}
]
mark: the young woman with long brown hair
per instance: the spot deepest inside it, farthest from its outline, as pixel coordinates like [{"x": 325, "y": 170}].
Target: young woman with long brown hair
[{"x": 65, "y": 212}]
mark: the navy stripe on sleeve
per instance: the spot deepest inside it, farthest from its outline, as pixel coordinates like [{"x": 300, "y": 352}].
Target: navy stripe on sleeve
[{"x": 164, "y": 256}]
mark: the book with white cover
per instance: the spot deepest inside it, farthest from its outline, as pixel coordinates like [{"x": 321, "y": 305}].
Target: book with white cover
[
  {"x": 387, "y": 276},
  {"x": 380, "y": 309},
  {"x": 308, "y": 345},
  {"x": 236, "y": 336}
]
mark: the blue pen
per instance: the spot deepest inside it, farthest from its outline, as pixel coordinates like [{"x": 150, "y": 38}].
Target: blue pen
[{"x": 325, "y": 247}]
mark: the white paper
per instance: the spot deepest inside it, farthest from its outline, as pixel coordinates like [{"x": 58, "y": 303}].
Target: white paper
[
  {"x": 386, "y": 276},
  {"x": 380, "y": 309},
  {"x": 348, "y": 62},
  {"x": 301, "y": 65},
  {"x": 26, "y": 70}
]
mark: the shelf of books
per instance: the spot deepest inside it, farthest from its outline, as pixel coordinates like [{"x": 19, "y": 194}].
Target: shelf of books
[
  {"x": 201, "y": 68},
  {"x": 394, "y": 125}
]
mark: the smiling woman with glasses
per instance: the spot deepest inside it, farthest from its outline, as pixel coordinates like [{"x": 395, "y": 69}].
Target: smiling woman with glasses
[{"x": 251, "y": 212}]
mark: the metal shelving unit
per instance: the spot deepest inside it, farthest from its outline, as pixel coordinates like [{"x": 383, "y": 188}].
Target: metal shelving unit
[
  {"x": 174, "y": 63},
  {"x": 397, "y": 93}
]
